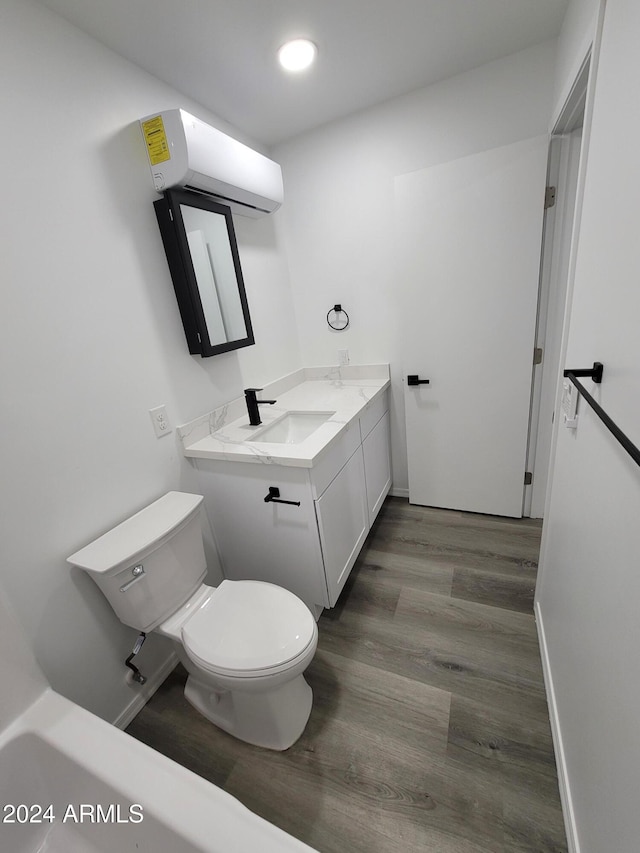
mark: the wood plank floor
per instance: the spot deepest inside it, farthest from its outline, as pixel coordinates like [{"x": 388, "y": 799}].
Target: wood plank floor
[{"x": 429, "y": 729}]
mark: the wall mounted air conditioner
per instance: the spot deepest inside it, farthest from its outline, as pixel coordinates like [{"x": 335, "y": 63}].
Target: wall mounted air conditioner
[{"x": 185, "y": 152}]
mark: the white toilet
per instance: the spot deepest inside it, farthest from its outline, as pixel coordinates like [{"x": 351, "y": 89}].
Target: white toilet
[{"x": 245, "y": 644}]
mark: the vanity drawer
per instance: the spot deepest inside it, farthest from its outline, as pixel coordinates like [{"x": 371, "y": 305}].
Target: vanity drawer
[{"x": 372, "y": 414}]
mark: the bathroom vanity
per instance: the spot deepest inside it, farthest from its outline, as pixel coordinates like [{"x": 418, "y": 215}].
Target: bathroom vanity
[{"x": 292, "y": 499}]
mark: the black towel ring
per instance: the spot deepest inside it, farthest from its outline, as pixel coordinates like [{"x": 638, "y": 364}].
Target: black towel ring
[{"x": 338, "y": 325}]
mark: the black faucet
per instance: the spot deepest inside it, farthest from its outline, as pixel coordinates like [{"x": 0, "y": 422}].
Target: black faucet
[{"x": 252, "y": 405}]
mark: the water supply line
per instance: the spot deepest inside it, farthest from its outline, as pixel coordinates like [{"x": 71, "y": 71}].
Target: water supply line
[{"x": 137, "y": 675}]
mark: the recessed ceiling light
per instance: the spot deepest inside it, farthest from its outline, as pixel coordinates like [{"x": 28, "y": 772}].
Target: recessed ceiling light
[{"x": 297, "y": 55}]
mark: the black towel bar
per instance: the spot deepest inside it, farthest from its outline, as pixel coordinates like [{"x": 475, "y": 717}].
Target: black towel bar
[{"x": 595, "y": 373}]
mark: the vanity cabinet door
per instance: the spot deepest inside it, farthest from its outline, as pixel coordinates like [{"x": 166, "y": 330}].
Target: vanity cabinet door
[
  {"x": 343, "y": 523},
  {"x": 377, "y": 466}
]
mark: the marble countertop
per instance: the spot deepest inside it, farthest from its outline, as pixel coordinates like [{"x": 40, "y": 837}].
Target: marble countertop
[{"x": 346, "y": 391}]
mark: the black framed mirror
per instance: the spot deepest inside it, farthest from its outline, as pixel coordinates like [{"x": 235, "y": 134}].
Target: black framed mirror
[{"x": 202, "y": 253}]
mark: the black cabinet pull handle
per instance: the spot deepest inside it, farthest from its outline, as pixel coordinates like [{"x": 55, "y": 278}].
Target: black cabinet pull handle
[
  {"x": 413, "y": 379},
  {"x": 274, "y": 497}
]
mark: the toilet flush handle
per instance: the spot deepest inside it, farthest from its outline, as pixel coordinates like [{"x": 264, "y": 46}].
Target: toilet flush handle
[{"x": 138, "y": 573}]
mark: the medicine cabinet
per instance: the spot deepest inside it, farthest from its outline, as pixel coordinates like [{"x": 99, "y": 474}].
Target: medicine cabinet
[{"x": 202, "y": 253}]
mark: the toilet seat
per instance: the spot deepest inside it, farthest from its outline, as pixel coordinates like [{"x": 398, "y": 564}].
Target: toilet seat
[{"x": 249, "y": 629}]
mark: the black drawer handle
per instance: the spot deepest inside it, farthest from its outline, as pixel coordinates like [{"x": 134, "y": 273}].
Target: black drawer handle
[
  {"x": 413, "y": 379},
  {"x": 274, "y": 497}
]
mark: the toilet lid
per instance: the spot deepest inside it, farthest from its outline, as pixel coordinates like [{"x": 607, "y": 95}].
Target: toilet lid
[{"x": 247, "y": 626}]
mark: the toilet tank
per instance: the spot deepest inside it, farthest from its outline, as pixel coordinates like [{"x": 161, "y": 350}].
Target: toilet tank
[{"x": 165, "y": 539}]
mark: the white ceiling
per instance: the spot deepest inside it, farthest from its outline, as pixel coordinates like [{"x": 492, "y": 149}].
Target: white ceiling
[{"x": 221, "y": 53}]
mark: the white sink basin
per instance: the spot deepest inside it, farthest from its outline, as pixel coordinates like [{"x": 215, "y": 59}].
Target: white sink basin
[{"x": 292, "y": 428}]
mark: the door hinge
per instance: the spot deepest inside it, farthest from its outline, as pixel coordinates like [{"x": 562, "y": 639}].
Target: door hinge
[
  {"x": 537, "y": 355},
  {"x": 528, "y": 478},
  {"x": 549, "y": 197}
]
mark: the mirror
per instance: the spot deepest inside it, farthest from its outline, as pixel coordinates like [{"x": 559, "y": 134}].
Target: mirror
[{"x": 201, "y": 249}]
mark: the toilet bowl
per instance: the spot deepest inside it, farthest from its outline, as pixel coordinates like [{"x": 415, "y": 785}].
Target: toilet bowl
[{"x": 245, "y": 644}]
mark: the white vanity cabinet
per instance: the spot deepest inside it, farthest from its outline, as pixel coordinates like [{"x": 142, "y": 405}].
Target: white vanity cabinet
[
  {"x": 260, "y": 540},
  {"x": 377, "y": 465},
  {"x": 309, "y": 545},
  {"x": 343, "y": 523}
]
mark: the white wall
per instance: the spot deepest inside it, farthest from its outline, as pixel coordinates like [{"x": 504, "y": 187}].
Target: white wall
[
  {"x": 22, "y": 679},
  {"x": 589, "y": 581},
  {"x": 338, "y": 220},
  {"x": 574, "y": 42},
  {"x": 91, "y": 338}
]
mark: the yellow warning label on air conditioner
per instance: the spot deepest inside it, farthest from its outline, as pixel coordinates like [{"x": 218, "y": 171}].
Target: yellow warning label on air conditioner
[{"x": 156, "y": 139}]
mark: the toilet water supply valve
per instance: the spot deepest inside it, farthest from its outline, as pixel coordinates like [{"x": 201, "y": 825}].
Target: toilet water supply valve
[{"x": 137, "y": 675}]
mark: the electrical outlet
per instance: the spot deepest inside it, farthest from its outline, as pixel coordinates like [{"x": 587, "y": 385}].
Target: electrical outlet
[
  {"x": 160, "y": 421},
  {"x": 343, "y": 357}
]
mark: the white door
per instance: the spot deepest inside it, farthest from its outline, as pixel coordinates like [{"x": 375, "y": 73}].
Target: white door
[{"x": 469, "y": 240}]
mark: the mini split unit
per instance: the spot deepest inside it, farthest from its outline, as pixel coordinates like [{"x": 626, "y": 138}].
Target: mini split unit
[{"x": 185, "y": 152}]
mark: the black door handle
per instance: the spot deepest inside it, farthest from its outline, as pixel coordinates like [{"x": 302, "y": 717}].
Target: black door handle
[{"x": 413, "y": 379}]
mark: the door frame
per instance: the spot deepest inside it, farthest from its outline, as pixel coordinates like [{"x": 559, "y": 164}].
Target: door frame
[{"x": 562, "y": 173}]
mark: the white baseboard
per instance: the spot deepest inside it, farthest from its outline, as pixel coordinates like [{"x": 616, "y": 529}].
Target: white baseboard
[
  {"x": 399, "y": 493},
  {"x": 561, "y": 763},
  {"x": 145, "y": 692}
]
